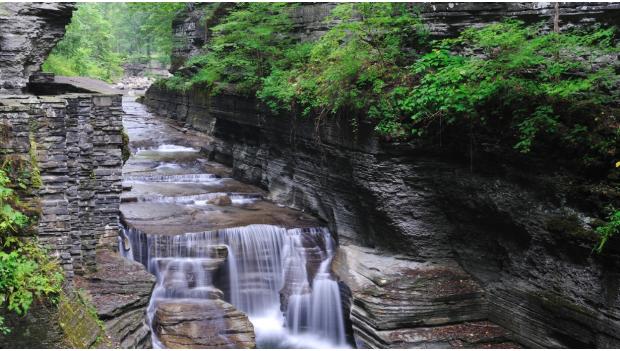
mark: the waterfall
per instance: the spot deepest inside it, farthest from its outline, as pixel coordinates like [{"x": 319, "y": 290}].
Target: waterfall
[
  {"x": 316, "y": 307},
  {"x": 326, "y": 317},
  {"x": 252, "y": 267}
]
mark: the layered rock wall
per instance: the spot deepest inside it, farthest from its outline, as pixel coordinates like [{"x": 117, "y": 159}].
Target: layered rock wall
[
  {"x": 28, "y": 32},
  {"x": 64, "y": 143}
]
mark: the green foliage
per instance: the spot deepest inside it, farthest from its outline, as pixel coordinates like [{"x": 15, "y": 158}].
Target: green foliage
[
  {"x": 246, "y": 46},
  {"x": 143, "y": 31},
  {"x": 519, "y": 87},
  {"x": 11, "y": 219},
  {"x": 537, "y": 82},
  {"x": 26, "y": 271},
  {"x": 353, "y": 64},
  {"x": 86, "y": 49},
  {"x": 103, "y": 36},
  {"x": 609, "y": 229}
]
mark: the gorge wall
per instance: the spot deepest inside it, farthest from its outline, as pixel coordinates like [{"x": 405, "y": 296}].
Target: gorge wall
[
  {"x": 433, "y": 253},
  {"x": 67, "y": 141}
]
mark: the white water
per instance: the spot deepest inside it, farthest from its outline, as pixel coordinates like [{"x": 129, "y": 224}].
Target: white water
[
  {"x": 175, "y": 148},
  {"x": 175, "y": 178},
  {"x": 201, "y": 199},
  {"x": 262, "y": 260}
]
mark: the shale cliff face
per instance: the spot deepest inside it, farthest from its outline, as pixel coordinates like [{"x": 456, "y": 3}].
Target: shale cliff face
[
  {"x": 28, "y": 32},
  {"x": 428, "y": 248}
]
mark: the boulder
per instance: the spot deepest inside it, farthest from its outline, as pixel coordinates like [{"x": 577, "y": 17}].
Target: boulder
[
  {"x": 223, "y": 200},
  {"x": 193, "y": 324}
]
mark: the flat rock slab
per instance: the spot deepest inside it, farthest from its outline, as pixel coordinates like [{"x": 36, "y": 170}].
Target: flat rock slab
[
  {"x": 174, "y": 219},
  {"x": 184, "y": 189},
  {"x": 192, "y": 324}
]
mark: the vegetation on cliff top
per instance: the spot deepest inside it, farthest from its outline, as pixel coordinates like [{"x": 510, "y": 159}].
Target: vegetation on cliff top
[
  {"x": 103, "y": 36},
  {"x": 515, "y": 81},
  {"x": 27, "y": 272}
]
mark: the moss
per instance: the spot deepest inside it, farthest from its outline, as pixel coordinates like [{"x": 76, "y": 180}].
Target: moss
[
  {"x": 569, "y": 226},
  {"x": 125, "y": 151},
  {"x": 553, "y": 302},
  {"x": 5, "y": 134},
  {"x": 35, "y": 173},
  {"x": 80, "y": 322}
]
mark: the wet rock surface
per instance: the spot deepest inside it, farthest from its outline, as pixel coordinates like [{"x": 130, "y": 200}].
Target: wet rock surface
[
  {"x": 175, "y": 189},
  {"x": 207, "y": 324},
  {"x": 120, "y": 290},
  {"x": 397, "y": 302}
]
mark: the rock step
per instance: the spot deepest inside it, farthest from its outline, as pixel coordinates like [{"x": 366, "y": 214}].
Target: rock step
[{"x": 182, "y": 323}]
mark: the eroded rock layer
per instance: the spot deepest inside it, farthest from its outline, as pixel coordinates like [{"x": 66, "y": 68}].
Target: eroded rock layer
[
  {"x": 28, "y": 32},
  {"x": 120, "y": 291}
]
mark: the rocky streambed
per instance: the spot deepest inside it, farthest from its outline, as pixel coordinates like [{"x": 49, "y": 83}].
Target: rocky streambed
[{"x": 233, "y": 269}]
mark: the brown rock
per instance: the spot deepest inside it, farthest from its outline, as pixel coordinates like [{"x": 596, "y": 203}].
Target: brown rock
[
  {"x": 223, "y": 200},
  {"x": 202, "y": 324}
]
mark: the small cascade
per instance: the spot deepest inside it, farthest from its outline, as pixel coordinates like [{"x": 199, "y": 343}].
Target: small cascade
[
  {"x": 174, "y": 148},
  {"x": 202, "y": 199},
  {"x": 254, "y": 268},
  {"x": 326, "y": 317},
  {"x": 175, "y": 178},
  {"x": 314, "y": 307}
]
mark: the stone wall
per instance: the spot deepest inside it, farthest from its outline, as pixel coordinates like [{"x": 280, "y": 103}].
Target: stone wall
[
  {"x": 28, "y": 32},
  {"x": 75, "y": 143}
]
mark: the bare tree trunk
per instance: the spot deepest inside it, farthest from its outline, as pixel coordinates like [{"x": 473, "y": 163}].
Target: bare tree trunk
[{"x": 556, "y": 18}]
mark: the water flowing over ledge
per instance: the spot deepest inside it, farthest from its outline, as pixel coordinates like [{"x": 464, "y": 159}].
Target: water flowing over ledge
[
  {"x": 260, "y": 269},
  {"x": 223, "y": 281}
]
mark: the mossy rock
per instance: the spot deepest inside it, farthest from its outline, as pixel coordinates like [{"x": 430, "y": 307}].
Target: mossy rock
[
  {"x": 81, "y": 326},
  {"x": 570, "y": 226}
]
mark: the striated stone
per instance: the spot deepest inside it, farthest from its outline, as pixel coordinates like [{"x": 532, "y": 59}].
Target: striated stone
[
  {"x": 202, "y": 324},
  {"x": 392, "y": 297},
  {"x": 28, "y": 32},
  {"x": 120, "y": 291}
]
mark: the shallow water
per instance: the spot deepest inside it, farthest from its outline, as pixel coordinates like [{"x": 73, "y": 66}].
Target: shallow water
[{"x": 173, "y": 188}]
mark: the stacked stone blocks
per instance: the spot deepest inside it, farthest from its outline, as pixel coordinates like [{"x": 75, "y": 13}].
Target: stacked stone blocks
[{"x": 76, "y": 141}]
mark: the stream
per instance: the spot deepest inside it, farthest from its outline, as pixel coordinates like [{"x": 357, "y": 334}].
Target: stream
[{"x": 209, "y": 238}]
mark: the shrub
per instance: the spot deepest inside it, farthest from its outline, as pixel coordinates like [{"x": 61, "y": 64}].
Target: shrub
[{"x": 26, "y": 270}]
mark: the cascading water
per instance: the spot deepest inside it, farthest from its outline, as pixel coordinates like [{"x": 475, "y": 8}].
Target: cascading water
[
  {"x": 177, "y": 178},
  {"x": 261, "y": 262},
  {"x": 279, "y": 278}
]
